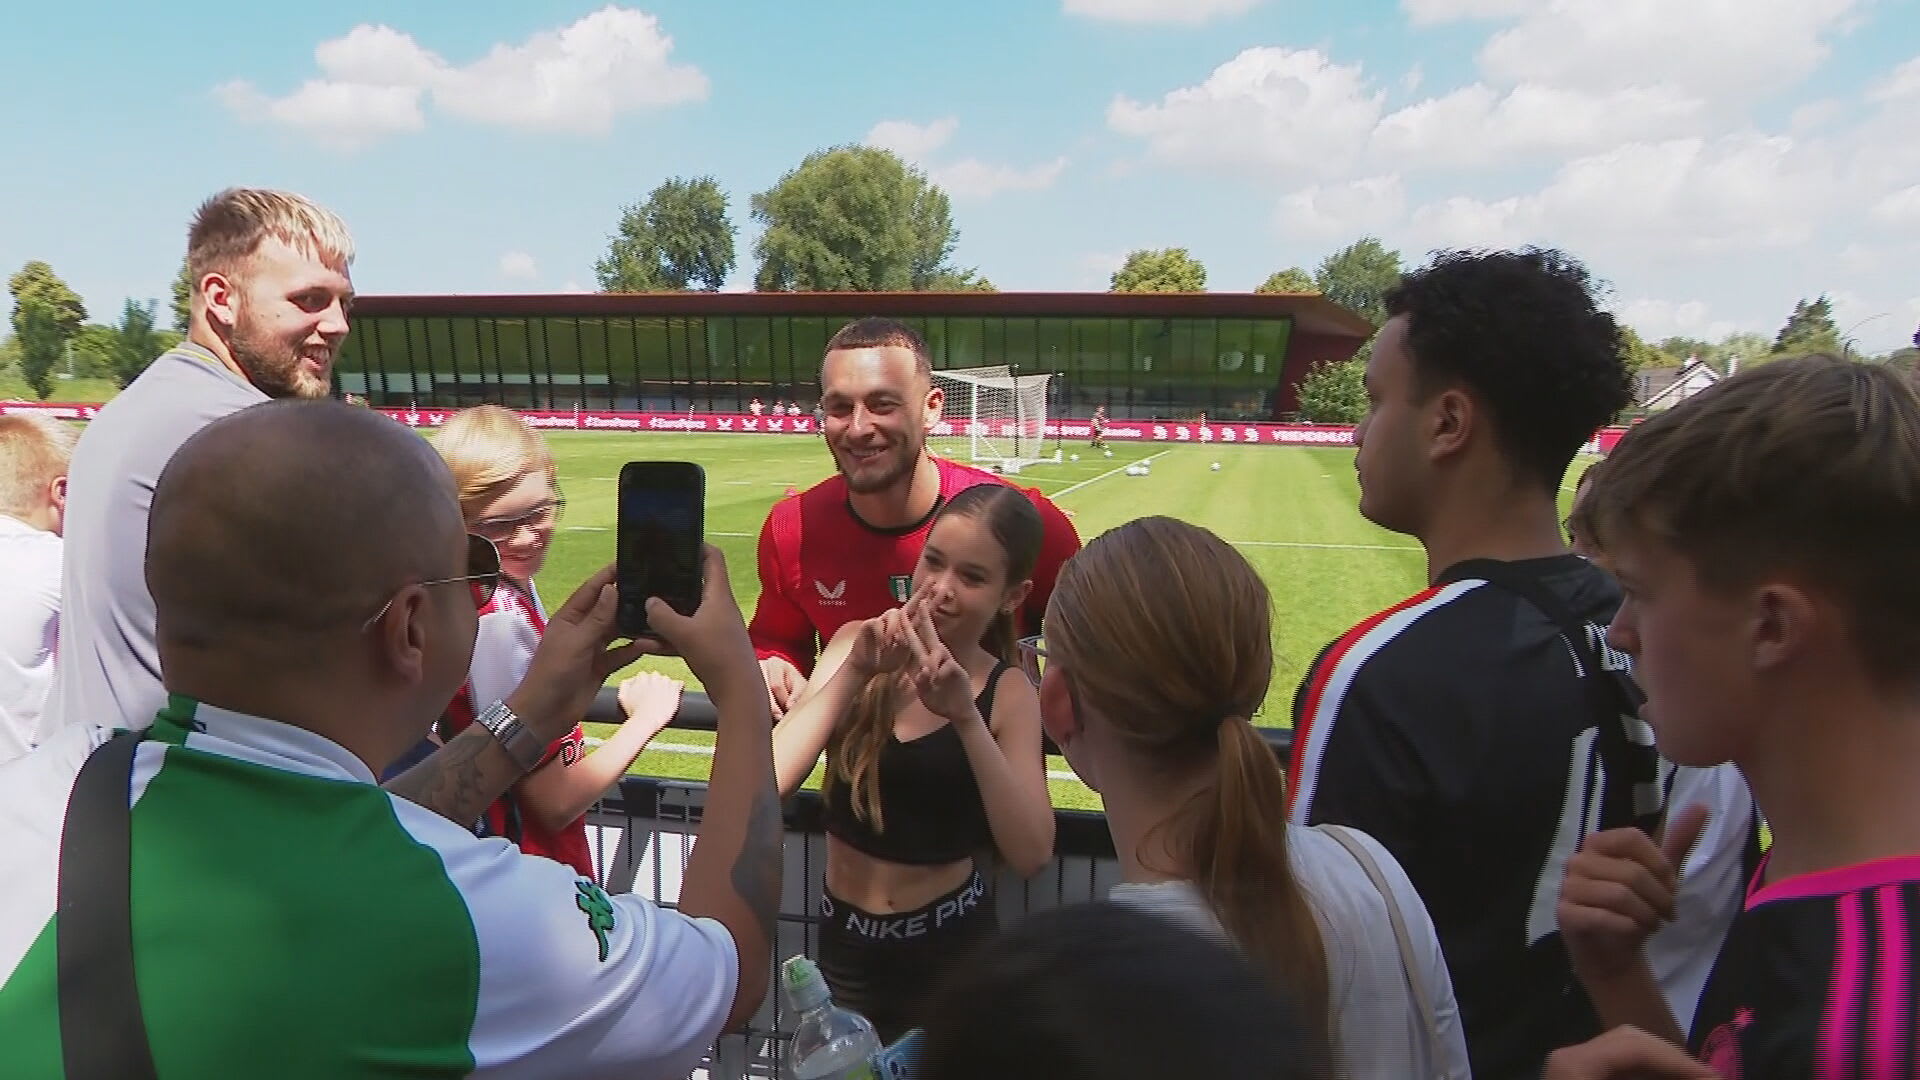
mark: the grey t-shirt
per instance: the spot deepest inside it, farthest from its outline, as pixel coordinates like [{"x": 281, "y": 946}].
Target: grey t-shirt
[{"x": 108, "y": 669}]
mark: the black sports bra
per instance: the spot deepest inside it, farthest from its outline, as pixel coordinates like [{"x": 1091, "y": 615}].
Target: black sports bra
[{"x": 928, "y": 797}]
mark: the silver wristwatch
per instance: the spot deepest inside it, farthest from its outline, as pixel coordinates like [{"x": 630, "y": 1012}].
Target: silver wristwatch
[{"x": 519, "y": 741}]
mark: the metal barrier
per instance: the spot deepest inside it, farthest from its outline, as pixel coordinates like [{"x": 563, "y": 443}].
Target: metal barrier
[{"x": 643, "y": 832}]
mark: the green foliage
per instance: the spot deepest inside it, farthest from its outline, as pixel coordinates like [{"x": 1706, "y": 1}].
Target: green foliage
[
  {"x": 1291, "y": 280},
  {"x": 853, "y": 219},
  {"x": 90, "y": 353},
  {"x": 1165, "y": 270},
  {"x": 1639, "y": 355},
  {"x": 135, "y": 342},
  {"x": 1358, "y": 277},
  {"x": 37, "y": 325},
  {"x": 970, "y": 280},
  {"x": 183, "y": 297},
  {"x": 37, "y": 281},
  {"x": 1335, "y": 392},
  {"x": 679, "y": 239},
  {"x": 1809, "y": 329}
]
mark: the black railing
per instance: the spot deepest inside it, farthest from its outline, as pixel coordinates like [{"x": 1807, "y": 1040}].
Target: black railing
[{"x": 644, "y": 831}]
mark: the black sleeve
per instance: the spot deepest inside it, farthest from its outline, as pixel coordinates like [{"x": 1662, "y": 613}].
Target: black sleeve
[{"x": 1360, "y": 761}]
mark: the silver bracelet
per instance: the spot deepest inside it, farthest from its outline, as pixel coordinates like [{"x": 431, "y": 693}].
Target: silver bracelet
[{"x": 519, "y": 741}]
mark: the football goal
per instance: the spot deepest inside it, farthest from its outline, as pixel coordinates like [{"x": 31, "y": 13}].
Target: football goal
[{"x": 995, "y": 417}]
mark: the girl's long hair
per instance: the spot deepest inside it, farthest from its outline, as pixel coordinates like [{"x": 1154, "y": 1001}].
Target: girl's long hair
[
  {"x": 853, "y": 751},
  {"x": 1164, "y": 630}
]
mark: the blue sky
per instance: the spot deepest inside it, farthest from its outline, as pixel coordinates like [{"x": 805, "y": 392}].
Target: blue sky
[{"x": 1713, "y": 159}]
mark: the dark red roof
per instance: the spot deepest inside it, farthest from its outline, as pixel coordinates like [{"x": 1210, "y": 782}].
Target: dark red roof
[{"x": 1311, "y": 312}]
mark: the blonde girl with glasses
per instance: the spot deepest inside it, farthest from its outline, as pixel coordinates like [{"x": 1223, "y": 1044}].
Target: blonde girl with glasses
[{"x": 509, "y": 494}]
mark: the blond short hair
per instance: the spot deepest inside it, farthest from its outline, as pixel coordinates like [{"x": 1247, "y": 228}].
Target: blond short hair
[
  {"x": 489, "y": 448},
  {"x": 35, "y": 450},
  {"x": 229, "y": 227},
  {"x": 1807, "y": 469}
]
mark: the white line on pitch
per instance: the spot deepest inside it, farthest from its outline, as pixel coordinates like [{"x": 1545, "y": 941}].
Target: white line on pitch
[
  {"x": 1330, "y": 547},
  {"x": 1066, "y": 491},
  {"x": 586, "y": 528}
]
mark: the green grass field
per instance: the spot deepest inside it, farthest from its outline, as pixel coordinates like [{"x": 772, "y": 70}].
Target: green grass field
[{"x": 1290, "y": 510}]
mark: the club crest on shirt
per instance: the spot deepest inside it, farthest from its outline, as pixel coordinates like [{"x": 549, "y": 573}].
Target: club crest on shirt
[
  {"x": 901, "y": 586},
  {"x": 598, "y": 908}
]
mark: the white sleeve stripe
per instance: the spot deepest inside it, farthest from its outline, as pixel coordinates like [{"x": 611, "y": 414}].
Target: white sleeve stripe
[{"x": 1346, "y": 668}]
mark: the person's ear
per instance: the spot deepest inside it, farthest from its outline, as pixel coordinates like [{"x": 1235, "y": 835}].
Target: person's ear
[
  {"x": 1016, "y": 596},
  {"x": 1781, "y": 623},
  {"x": 1451, "y": 419},
  {"x": 402, "y": 636},
  {"x": 220, "y": 295}
]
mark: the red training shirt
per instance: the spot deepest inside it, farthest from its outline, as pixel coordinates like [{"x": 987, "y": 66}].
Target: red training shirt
[{"x": 821, "y": 567}]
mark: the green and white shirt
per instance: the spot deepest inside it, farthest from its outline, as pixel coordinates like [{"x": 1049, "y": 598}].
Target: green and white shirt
[{"x": 292, "y": 919}]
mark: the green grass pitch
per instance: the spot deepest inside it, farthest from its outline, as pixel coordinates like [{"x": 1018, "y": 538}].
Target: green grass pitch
[{"x": 1291, "y": 511}]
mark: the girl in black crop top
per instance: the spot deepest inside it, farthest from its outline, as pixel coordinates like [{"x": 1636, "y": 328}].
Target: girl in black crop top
[{"x": 933, "y": 759}]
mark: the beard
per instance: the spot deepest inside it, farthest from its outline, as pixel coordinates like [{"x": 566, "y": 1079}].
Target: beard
[
  {"x": 273, "y": 365},
  {"x": 897, "y": 464}
]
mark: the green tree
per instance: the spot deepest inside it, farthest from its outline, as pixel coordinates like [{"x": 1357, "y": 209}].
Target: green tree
[
  {"x": 90, "y": 354},
  {"x": 1291, "y": 280},
  {"x": 853, "y": 219},
  {"x": 1639, "y": 355},
  {"x": 1165, "y": 270},
  {"x": 1809, "y": 329},
  {"x": 183, "y": 297},
  {"x": 37, "y": 281},
  {"x": 37, "y": 325},
  {"x": 679, "y": 239},
  {"x": 1680, "y": 348},
  {"x": 135, "y": 341},
  {"x": 1335, "y": 391},
  {"x": 1357, "y": 277},
  {"x": 959, "y": 281}
]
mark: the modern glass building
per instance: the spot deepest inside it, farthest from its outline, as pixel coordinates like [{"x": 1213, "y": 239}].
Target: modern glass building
[{"x": 1142, "y": 355}]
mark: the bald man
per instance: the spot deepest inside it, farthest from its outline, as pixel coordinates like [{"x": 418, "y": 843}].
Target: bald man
[{"x": 315, "y": 612}]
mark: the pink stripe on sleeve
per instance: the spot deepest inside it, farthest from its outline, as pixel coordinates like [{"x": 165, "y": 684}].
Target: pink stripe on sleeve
[
  {"x": 1892, "y": 989},
  {"x": 1844, "y": 987}
]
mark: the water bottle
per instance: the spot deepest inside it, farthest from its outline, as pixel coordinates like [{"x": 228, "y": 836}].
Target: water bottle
[{"x": 829, "y": 1043}]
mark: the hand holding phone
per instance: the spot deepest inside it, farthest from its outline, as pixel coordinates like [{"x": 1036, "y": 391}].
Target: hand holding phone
[{"x": 659, "y": 538}]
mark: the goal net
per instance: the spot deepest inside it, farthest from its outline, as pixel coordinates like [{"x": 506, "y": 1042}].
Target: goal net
[{"x": 994, "y": 416}]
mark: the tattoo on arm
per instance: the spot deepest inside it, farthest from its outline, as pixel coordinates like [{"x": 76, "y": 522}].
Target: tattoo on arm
[
  {"x": 756, "y": 872},
  {"x": 452, "y": 782}
]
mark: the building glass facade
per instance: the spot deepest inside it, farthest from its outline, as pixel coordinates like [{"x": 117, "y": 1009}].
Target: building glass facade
[{"x": 1139, "y": 367}]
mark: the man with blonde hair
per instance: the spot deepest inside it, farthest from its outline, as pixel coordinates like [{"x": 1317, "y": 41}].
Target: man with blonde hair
[
  {"x": 34, "y": 453},
  {"x": 269, "y": 310}
]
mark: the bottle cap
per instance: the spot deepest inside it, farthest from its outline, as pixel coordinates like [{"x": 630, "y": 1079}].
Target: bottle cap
[{"x": 806, "y": 988}]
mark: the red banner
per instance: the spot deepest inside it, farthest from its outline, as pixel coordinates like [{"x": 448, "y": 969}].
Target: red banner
[{"x": 1074, "y": 430}]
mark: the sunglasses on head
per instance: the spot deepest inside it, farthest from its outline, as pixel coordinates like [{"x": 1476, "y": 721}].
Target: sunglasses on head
[{"x": 482, "y": 577}]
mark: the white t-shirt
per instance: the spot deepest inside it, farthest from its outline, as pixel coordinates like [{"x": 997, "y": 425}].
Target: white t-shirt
[
  {"x": 29, "y": 627},
  {"x": 1379, "y": 1028},
  {"x": 109, "y": 670}
]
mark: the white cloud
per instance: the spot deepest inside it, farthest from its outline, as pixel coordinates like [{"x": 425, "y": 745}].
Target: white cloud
[
  {"x": 1712, "y": 47},
  {"x": 1476, "y": 125},
  {"x": 576, "y": 79},
  {"x": 971, "y": 178},
  {"x": 967, "y": 178},
  {"x": 518, "y": 265},
  {"x": 1427, "y": 12},
  {"x": 1902, "y": 84},
  {"x": 1188, "y": 12},
  {"x": 1900, "y": 208},
  {"x": 342, "y": 116},
  {"x": 1267, "y": 109},
  {"x": 1362, "y": 206},
  {"x": 1657, "y": 319},
  {"x": 910, "y": 140}
]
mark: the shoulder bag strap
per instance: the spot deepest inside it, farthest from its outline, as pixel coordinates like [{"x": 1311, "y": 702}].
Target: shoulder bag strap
[
  {"x": 103, "y": 1035},
  {"x": 1632, "y": 766},
  {"x": 1408, "y": 965}
]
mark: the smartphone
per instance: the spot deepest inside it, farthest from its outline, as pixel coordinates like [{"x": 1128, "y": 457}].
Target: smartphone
[{"x": 660, "y": 532}]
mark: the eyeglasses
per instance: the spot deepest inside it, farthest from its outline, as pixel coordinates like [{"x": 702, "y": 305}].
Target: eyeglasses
[
  {"x": 482, "y": 577},
  {"x": 544, "y": 516},
  {"x": 1033, "y": 657}
]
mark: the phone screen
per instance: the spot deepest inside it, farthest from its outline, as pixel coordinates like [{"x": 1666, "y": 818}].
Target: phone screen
[{"x": 661, "y": 529}]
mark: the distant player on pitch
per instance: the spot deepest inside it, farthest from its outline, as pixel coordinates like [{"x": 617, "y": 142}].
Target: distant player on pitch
[{"x": 1100, "y": 430}]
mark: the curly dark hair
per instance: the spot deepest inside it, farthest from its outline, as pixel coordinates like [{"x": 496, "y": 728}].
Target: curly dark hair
[{"x": 1523, "y": 332}]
